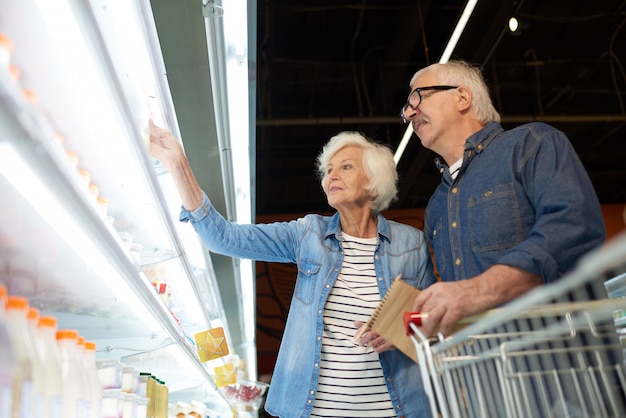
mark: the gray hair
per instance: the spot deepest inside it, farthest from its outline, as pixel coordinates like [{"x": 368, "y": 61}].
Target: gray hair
[
  {"x": 377, "y": 161},
  {"x": 462, "y": 73}
]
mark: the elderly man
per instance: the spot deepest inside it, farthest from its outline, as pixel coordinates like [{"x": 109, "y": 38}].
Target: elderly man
[{"x": 515, "y": 209}]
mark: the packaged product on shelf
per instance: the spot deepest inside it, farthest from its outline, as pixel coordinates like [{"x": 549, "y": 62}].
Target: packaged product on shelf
[
  {"x": 111, "y": 403},
  {"x": 75, "y": 397},
  {"x": 14, "y": 72},
  {"x": 31, "y": 96},
  {"x": 91, "y": 371},
  {"x": 22, "y": 402},
  {"x": 6, "y": 50},
  {"x": 135, "y": 252},
  {"x": 180, "y": 410},
  {"x": 130, "y": 377},
  {"x": 142, "y": 383},
  {"x": 128, "y": 404},
  {"x": 110, "y": 374},
  {"x": 103, "y": 205},
  {"x": 151, "y": 395},
  {"x": 161, "y": 409},
  {"x": 32, "y": 321},
  {"x": 141, "y": 407},
  {"x": 6, "y": 358},
  {"x": 198, "y": 410},
  {"x": 51, "y": 360}
]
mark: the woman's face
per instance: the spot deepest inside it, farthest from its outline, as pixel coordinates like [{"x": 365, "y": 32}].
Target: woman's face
[{"x": 346, "y": 180}]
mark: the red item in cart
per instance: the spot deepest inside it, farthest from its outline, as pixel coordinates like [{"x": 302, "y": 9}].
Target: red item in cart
[{"x": 412, "y": 318}]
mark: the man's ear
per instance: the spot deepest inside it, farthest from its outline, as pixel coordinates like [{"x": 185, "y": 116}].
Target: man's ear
[{"x": 464, "y": 98}]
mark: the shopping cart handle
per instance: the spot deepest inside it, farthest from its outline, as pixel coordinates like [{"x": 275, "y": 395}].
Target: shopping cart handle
[{"x": 413, "y": 318}]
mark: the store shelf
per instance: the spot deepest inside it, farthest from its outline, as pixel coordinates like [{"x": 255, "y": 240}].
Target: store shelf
[{"x": 59, "y": 246}]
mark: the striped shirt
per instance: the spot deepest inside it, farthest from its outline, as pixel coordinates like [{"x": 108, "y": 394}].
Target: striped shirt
[{"x": 351, "y": 381}]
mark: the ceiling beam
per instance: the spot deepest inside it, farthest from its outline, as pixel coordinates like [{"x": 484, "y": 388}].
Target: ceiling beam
[{"x": 367, "y": 120}]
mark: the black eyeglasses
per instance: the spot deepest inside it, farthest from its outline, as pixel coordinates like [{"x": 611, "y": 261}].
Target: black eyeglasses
[{"x": 415, "y": 98}]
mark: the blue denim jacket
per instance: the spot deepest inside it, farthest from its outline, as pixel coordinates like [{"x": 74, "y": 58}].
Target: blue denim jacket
[
  {"x": 522, "y": 198},
  {"x": 312, "y": 242}
]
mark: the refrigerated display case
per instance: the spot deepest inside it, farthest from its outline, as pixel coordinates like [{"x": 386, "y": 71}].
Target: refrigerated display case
[{"x": 87, "y": 217}]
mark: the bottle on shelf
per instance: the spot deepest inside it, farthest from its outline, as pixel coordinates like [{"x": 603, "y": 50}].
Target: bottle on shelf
[
  {"x": 51, "y": 360},
  {"x": 73, "y": 390},
  {"x": 22, "y": 399},
  {"x": 95, "y": 388},
  {"x": 85, "y": 381},
  {"x": 162, "y": 400},
  {"x": 6, "y": 358},
  {"x": 37, "y": 367}
]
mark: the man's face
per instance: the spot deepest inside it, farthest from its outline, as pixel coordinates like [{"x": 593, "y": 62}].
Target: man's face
[{"x": 431, "y": 117}]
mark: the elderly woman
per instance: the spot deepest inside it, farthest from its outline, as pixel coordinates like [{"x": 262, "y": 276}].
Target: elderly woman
[{"x": 346, "y": 263}]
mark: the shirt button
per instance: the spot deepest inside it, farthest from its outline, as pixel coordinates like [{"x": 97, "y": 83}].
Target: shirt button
[
  {"x": 316, "y": 365},
  {"x": 454, "y": 224},
  {"x": 434, "y": 232},
  {"x": 309, "y": 401},
  {"x": 479, "y": 146},
  {"x": 308, "y": 272},
  {"x": 327, "y": 286},
  {"x": 319, "y": 311},
  {"x": 319, "y": 338},
  {"x": 441, "y": 170},
  {"x": 312, "y": 392},
  {"x": 454, "y": 190},
  {"x": 457, "y": 262},
  {"x": 380, "y": 278}
]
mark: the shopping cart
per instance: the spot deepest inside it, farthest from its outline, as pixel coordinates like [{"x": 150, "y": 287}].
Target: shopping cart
[{"x": 555, "y": 352}]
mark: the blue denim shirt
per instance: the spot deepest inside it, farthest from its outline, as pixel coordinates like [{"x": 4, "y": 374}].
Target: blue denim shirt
[
  {"x": 522, "y": 198},
  {"x": 313, "y": 244}
]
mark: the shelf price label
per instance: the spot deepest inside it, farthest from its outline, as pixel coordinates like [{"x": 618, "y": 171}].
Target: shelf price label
[{"x": 211, "y": 344}]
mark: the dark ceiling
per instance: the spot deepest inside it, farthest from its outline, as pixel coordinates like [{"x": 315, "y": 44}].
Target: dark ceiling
[{"x": 329, "y": 66}]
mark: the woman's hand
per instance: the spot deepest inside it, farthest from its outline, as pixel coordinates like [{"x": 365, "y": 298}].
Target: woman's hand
[
  {"x": 163, "y": 145},
  {"x": 371, "y": 339},
  {"x": 166, "y": 148}
]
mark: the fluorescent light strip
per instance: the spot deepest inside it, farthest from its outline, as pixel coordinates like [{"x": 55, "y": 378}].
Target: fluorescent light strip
[{"x": 460, "y": 27}]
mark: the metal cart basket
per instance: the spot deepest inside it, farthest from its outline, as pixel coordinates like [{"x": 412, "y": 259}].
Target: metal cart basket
[{"x": 555, "y": 352}]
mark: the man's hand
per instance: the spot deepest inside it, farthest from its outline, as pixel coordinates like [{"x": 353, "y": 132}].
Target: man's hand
[{"x": 448, "y": 302}]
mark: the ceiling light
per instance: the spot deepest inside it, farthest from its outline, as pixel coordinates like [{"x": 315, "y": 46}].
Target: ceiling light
[
  {"x": 516, "y": 26},
  {"x": 458, "y": 30}
]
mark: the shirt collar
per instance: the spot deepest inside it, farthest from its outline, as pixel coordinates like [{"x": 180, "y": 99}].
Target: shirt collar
[
  {"x": 481, "y": 139},
  {"x": 334, "y": 227},
  {"x": 475, "y": 144}
]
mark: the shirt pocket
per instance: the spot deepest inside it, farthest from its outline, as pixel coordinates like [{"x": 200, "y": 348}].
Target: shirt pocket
[
  {"x": 494, "y": 218},
  {"x": 308, "y": 275}
]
